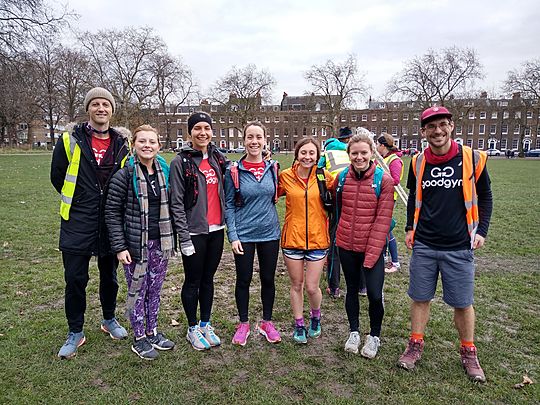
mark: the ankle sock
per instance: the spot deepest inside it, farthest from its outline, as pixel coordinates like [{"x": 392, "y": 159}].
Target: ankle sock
[
  {"x": 417, "y": 336},
  {"x": 299, "y": 322},
  {"x": 465, "y": 343},
  {"x": 203, "y": 324},
  {"x": 315, "y": 313}
]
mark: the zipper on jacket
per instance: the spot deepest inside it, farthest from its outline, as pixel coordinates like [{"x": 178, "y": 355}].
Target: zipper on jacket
[{"x": 306, "y": 200}]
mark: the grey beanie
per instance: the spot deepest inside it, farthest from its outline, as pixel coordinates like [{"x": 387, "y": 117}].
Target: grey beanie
[{"x": 99, "y": 92}]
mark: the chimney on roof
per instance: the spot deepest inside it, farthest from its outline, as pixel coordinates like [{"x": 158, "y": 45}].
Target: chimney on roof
[
  {"x": 516, "y": 95},
  {"x": 483, "y": 94}
]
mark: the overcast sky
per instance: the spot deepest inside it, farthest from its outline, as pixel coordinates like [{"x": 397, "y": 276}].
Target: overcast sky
[{"x": 287, "y": 37}]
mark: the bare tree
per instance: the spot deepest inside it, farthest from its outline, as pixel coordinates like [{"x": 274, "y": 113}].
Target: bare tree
[
  {"x": 526, "y": 82},
  {"x": 437, "y": 75},
  {"x": 338, "y": 84},
  {"x": 174, "y": 86},
  {"x": 242, "y": 91},
  {"x": 122, "y": 60},
  {"x": 21, "y": 20}
]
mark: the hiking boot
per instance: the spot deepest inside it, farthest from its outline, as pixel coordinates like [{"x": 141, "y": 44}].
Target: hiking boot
[
  {"x": 210, "y": 336},
  {"x": 144, "y": 349},
  {"x": 363, "y": 292},
  {"x": 371, "y": 347},
  {"x": 412, "y": 354},
  {"x": 470, "y": 363},
  {"x": 269, "y": 331},
  {"x": 351, "y": 345},
  {"x": 241, "y": 334},
  {"x": 160, "y": 342},
  {"x": 314, "y": 327},
  {"x": 114, "y": 329},
  {"x": 73, "y": 342},
  {"x": 300, "y": 334},
  {"x": 195, "y": 337}
]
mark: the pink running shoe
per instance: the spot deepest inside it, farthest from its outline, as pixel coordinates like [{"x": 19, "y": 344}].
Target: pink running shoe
[
  {"x": 269, "y": 331},
  {"x": 241, "y": 334}
]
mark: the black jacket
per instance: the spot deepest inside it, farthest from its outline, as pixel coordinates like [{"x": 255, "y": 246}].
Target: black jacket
[
  {"x": 85, "y": 232},
  {"x": 123, "y": 214}
]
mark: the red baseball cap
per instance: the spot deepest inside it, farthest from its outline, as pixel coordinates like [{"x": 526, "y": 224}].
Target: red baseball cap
[{"x": 433, "y": 112}]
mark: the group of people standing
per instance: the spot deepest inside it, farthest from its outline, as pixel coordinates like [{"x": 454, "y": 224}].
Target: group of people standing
[{"x": 127, "y": 206}]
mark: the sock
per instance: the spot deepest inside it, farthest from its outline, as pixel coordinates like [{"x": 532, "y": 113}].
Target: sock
[
  {"x": 203, "y": 324},
  {"x": 316, "y": 313},
  {"x": 299, "y": 322},
  {"x": 417, "y": 336},
  {"x": 465, "y": 343}
]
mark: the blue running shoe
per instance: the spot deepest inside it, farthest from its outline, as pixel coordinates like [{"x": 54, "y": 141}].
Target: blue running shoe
[{"x": 73, "y": 342}]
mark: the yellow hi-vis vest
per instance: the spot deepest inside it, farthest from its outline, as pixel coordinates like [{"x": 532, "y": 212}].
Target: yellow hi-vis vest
[
  {"x": 474, "y": 162},
  {"x": 389, "y": 159},
  {"x": 336, "y": 161},
  {"x": 73, "y": 153}
]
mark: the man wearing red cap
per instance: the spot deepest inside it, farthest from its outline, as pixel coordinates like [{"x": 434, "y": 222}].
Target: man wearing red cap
[{"x": 448, "y": 214}]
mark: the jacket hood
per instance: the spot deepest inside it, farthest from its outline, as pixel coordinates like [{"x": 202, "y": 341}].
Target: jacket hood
[{"x": 334, "y": 144}]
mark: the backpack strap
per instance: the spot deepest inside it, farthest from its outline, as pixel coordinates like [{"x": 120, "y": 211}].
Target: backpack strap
[
  {"x": 191, "y": 184},
  {"x": 326, "y": 196},
  {"x": 339, "y": 190},
  {"x": 377, "y": 180},
  {"x": 275, "y": 176}
]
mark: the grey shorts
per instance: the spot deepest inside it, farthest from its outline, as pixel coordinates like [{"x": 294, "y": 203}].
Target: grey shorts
[
  {"x": 308, "y": 255},
  {"x": 457, "y": 275}
]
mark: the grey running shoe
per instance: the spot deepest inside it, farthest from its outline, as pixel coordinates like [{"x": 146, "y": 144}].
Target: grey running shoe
[
  {"x": 73, "y": 342},
  {"x": 371, "y": 347},
  {"x": 114, "y": 329},
  {"x": 144, "y": 349},
  {"x": 351, "y": 345},
  {"x": 160, "y": 342}
]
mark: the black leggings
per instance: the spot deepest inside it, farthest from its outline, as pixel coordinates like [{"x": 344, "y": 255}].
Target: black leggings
[
  {"x": 267, "y": 254},
  {"x": 352, "y": 264},
  {"x": 199, "y": 269}
]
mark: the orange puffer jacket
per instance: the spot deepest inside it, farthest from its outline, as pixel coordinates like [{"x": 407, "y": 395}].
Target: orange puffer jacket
[
  {"x": 365, "y": 219},
  {"x": 305, "y": 225}
]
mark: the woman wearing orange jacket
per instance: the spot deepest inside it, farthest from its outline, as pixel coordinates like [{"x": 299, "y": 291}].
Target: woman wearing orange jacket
[{"x": 305, "y": 238}]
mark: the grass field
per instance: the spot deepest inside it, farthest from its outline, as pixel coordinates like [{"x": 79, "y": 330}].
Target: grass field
[{"x": 33, "y": 326}]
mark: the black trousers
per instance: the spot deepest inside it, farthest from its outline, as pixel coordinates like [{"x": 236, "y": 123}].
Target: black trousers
[
  {"x": 267, "y": 254},
  {"x": 199, "y": 270},
  {"x": 353, "y": 269},
  {"x": 76, "y": 277}
]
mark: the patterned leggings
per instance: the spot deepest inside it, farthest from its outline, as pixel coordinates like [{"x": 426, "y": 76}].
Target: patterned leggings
[{"x": 147, "y": 305}]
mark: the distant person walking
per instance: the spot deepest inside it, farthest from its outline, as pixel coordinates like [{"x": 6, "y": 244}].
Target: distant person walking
[
  {"x": 304, "y": 239},
  {"x": 253, "y": 226},
  {"x": 198, "y": 211},
  {"x": 140, "y": 231},
  {"x": 364, "y": 195},
  {"x": 448, "y": 214},
  {"x": 82, "y": 164},
  {"x": 392, "y": 157}
]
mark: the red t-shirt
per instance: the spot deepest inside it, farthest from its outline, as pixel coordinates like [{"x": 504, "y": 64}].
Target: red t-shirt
[
  {"x": 256, "y": 168},
  {"x": 212, "y": 191},
  {"x": 100, "y": 146}
]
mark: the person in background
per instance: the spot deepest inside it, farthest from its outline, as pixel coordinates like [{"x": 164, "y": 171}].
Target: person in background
[
  {"x": 363, "y": 226},
  {"x": 448, "y": 213},
  {"x": 305, "y": 238},
  {"x": 198, "y": 211},
  {"x": 392, "y": 157},
  {"x": 253, "y": 225},
  {"x": 83, "y": 161},
  {"x": 140, "y": 232}
]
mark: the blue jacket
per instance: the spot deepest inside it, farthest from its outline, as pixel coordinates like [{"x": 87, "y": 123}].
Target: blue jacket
[
  {"x": 331, "y": 144},
  {"x": 257, "y": 220}
]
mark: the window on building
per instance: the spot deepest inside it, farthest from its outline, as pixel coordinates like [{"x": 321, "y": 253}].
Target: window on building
[
  {"x": 373, "y": 117},
  {"x": 285, "y": 118},
  {"x": 231, "y": 120},
  {"x": 527, "y": 131},
  {"x": 304, "y": 131},
  {"x": 213, "y": 108},
  {"x": 267, "y": 119},
  {"x": 323, "y": 118},
  {"x": 179, "y": 133},
  {"x": 493, "y": 129},
  {"x": 262, "y": 108},
  {"x": 323, "y": 131},
  {"x": 517, "y": 115},
  {"x": 384, "y": 129},
  {"x": 472, "y": 115},
  {"x": 480, "y": 143},
  {"x": 414, "y": 144},
  {"x": 405, "y": 117},
  {"x": 469, "y": 143},
  {"x": 506, "y": 115},
  {"x": 537, "y": 143},
  {"x": 459, "y": 129},
  {"x": 415, "y": 130},
  {"x": 313, "y": 118},
  {"x": 384, "y": 117},
  {"x": 343, "y": 118},
  {"x": 394, "y": 117},
  {"x": 191, "y": 110},
  {"x": 515, "y": 142},
  {"x": 222, "y": 120},
  {"x": 404, "y": 130},
  {"x": 374, "y": 130},
  {"x": 354, "y": 118},
  {"x": 504, "y": 128},
  {"x": 223, "y": 132},
  {"x": 179, "y": 120},
  {"x": 295, "y": 131},
  {"x": 364, "y": 117},
  {"x": 394, "y": 130},
  {"x": 276, "y": 131},
  {"x": 313, "y": 131},
  {"x": 503, "y": 103},
  {"x": 482, "y": 115},
  {"x": 276, "y": 118},
  {"x": 295, "y": 118},
  {"x": 494, "y": 115},
  {"x": 516, "y": 129},
  {"x": 482, "y": 129},
  {"x": 286, "y": 132},
  {"x": 504, "y": 143},
  {"x": 403, "y": 143},
  {"x": 470, "y": 129},
  {"x": 529, "y": 114}
]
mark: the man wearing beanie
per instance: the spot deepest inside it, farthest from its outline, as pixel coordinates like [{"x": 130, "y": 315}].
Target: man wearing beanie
[
  {"x": 83, "y": 162},
  {"x": 448, "y": 214}
]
